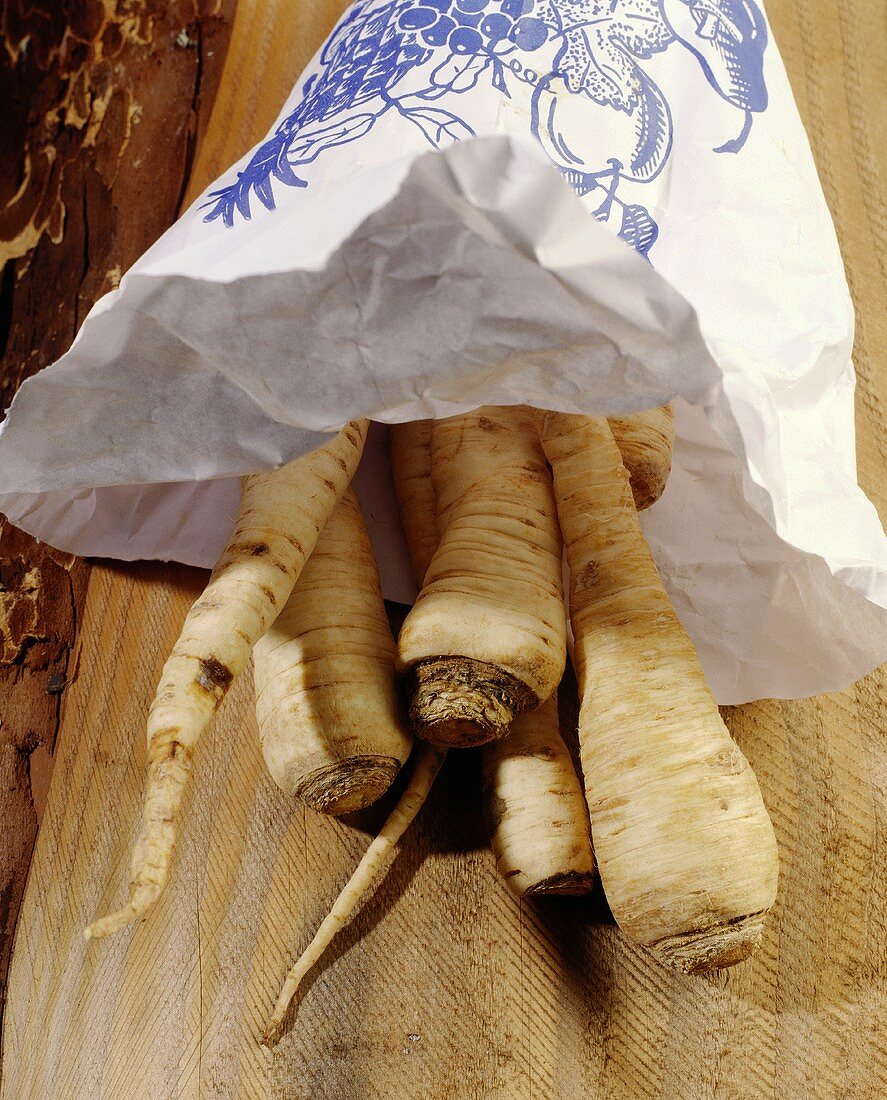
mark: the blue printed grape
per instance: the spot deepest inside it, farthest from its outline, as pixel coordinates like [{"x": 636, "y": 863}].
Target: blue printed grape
[
  {"x": 516, "y": 8},
  {"x": 416, "y": 19},
  {"x": 529, "y": 33},
  {"x": 440, "y": 32},
  {"x": 465, "y": 40},
  {"x": 465, "y": 29},
  {"x": 496, "y": 27},
  {"x": 467, "y": 19}
]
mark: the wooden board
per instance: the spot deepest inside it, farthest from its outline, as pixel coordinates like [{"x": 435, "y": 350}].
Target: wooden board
[
  {"x": 98, "y": 101},
  {"x": 445, "y": 986}
]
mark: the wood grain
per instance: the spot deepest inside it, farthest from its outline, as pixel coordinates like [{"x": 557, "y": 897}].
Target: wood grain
[
  {"x": 445, "y": 986},
  {"x": 98, "y": 101}
]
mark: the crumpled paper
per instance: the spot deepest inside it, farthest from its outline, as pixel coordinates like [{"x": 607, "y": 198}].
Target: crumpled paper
[{"x": 584, "y": 206}]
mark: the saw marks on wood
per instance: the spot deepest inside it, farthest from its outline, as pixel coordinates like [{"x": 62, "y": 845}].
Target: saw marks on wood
[{"x": 444, "y": 985}]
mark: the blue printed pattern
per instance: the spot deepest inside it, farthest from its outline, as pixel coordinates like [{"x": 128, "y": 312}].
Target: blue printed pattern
[{"x": 413, "y": 57}]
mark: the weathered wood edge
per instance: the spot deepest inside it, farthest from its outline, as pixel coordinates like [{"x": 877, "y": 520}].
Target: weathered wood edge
[{"x": 96, "y": 145}]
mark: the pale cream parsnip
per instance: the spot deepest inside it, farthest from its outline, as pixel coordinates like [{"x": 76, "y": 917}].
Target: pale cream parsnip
[
  {"x": 535, "y": 809},
  {"x": 411, "y": 471},
  {"x": 684, "y": 845},
  {"x": 281, "y": 514},
  {"x": 533, "y": 800},
  {"x": 645, "y": 441},
  {"x": 486, "y": 638},
  {"x": 330, "y": 718}
]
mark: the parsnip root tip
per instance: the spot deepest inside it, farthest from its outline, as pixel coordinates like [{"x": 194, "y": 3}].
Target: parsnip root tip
[
  {"x": 270, "y": 1036},
  {"x": 426, "y": 765},
  {"x": 457, "y": 702},
  {"x": 713, "y": 948},
  {"x": 115, "y": 922}
]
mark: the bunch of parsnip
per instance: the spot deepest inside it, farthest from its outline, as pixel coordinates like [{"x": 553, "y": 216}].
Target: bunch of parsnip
[{"x": 489, "y": 502}]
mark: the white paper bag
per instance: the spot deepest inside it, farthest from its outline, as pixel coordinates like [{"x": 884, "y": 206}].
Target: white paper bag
[{"x": 586, "y": 205}]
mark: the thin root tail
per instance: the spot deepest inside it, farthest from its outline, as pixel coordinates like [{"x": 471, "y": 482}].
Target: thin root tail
[
  {"x": 426, "y": 765},
  {"x": 139, "y": 903}
]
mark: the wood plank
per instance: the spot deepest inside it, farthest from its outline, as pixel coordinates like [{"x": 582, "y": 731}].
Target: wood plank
[
  {"x": 98, "y": 100},
  {"x": 444, "y": 986}
]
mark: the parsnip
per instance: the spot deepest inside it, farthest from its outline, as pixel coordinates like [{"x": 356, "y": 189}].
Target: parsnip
[
  {"x": 486, "y": 638},
  {"x": 426, "y": 764},
  {"x": 645, "y": 441},
  {"x": 411, "y": 470},
  {"x": 683, "y": 842},
  {"x": 535, "y": 809},
  {"x": 533, "y": 800},
  {"x": 329, "y": 715},
  {"x": 281, "y": 514}
]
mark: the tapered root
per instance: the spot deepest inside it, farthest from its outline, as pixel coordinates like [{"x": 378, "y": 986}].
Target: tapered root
[
  {"x": 281, "y": 515},
  {"x": 149, "y": 868},
  {"x": 459, "y": 702},
  {"x": 686, "y": 850},
  {"x": 427, "y": 764}
]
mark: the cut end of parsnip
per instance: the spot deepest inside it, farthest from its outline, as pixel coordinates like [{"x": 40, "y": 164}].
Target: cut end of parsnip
[
  {"x": 647, "y": 483},
  {"x": 348, "y": 785},
  {"x": 645, "y": 441},
  {"x": 567, "y": 884},
  {"x": 713, "y": 948},
  {"x": 457, "y": 702}
]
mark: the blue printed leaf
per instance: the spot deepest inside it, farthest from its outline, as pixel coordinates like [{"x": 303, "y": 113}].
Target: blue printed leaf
[
  {"x": 283, "y": 171},
  {"x": 262, "y": 188},
  {"x": 267, "y": 161},
  {"x": 307, "y": 147},
  {"x": 638, "y": 228},
  {"x": 653, "y": 129},
  {"x": 241, "y": 198},
  {"x": 222, "y": 208},
  {"x": 499, "y": 81},
  {"x": 363, "y": 58},
  {"x": 439, "y": 127}
]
